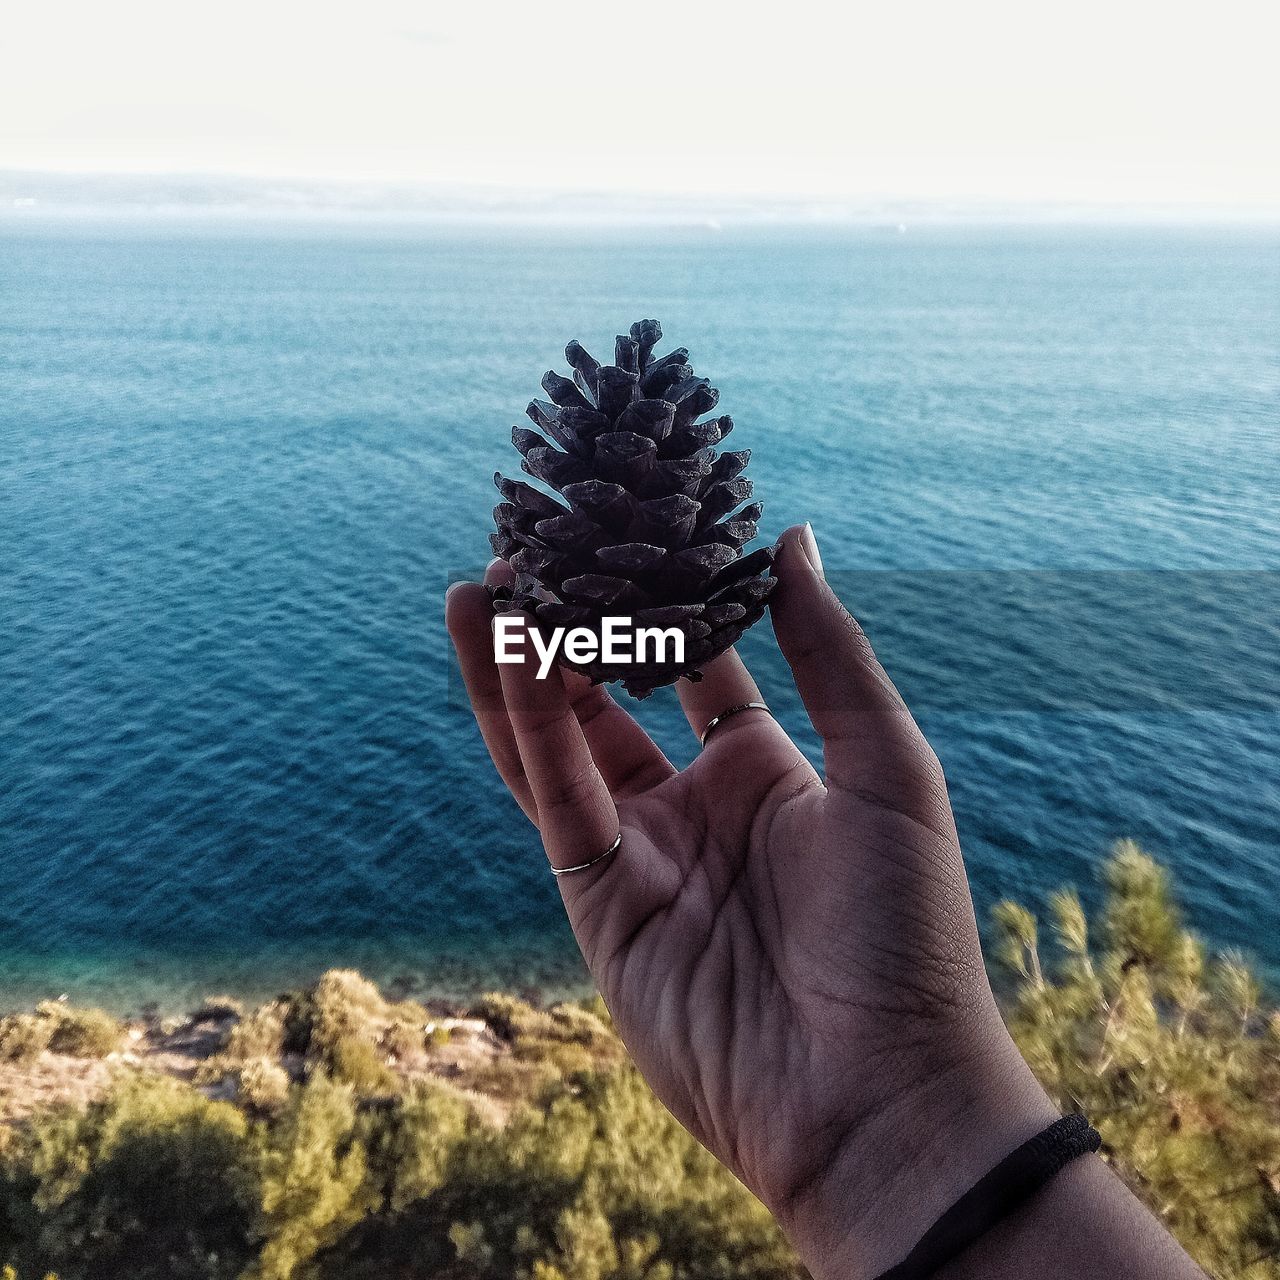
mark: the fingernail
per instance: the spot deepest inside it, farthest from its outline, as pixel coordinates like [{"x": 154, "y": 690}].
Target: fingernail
[{"x": 809, "y": 545}]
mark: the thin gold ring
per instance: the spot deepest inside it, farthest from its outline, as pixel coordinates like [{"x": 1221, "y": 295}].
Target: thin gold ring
[
  {"x": 732, "y": 711},
  {"x": 582, "y": 866}
]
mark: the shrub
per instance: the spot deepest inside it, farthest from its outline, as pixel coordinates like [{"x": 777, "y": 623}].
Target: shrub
[
  {"x": 404, "y": 1039},
  {"x": 578, "y": 1025},
  {"x": 1168, "y": 1057},
  {"x": 600, "y": 1182},
  {"x": 342, "y": 1004},
  {"x": 81, "y": 1033},
  {"x": 515, "y": 1079},
  {"x": 340, "y": 1024},
  {"x": 338, "y": 1027},
  {"x": 410, "y": 1145},
  {"x": 257, "y": 1038},
  {"x": 355, "y": 1061},
  {"x": 313, "y": 1177},
  {"x": 260, "y": 1034},
  {"x": 546, "y": 1045},
  {"x": 508, "y": 1017},
  {"x": 262, "y": 1086},
  {"x": 531, "y": 1030},
  {"x": 595, "y": 1005},
  {"x": 152, "y": 1183},
  {"x": 24, "y": 1036}
]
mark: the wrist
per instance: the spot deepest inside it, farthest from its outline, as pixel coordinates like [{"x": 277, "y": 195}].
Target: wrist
[{"x": 916, "y": 1154}]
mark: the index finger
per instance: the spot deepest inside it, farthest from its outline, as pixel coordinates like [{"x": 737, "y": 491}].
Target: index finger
[
  {"x": 469, "y": 619},
  {"x": 575, "y": 812}
]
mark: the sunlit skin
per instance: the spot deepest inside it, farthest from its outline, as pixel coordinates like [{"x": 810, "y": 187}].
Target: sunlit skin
[{"x": 791, "y": 958}]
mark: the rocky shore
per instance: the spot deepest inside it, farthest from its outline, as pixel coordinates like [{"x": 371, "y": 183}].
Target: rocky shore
[{"x": 63, "y": 1054}]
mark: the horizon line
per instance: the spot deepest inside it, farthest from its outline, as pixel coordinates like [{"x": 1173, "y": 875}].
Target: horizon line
[{"x": 27, "y": 192}]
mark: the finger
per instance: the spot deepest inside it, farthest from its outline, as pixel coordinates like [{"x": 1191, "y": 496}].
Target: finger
[
  {"x": 725, "y": 683},
  {"x": 468, "y": 618},
  {"x": 629, "y": 760},
  {"x": 851, "y": 701},
  {"x": 576, "y": 814},
  {"x": 499, "y": 574}
]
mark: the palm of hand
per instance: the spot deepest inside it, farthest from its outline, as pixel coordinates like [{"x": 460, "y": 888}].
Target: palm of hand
[{"x": 753, "y": 945}]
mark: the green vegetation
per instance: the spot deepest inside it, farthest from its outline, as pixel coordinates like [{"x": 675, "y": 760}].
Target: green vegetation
[
  {"x": 363, "y": 1172},
  {"x": 153, "y": 1181},
  {"x": 23, "y": 1038},
  {"x": 1172, "y": 1055},
  {"x": 79, "y": 1033},
  {"x": 332, "y": 1134}
]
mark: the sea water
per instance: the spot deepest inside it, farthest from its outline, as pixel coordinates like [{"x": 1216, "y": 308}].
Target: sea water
[{"x": 238, "y": 466}]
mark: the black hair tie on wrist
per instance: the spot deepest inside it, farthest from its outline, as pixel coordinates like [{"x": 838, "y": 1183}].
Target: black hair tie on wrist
[{"x": 996, "y": 1195}]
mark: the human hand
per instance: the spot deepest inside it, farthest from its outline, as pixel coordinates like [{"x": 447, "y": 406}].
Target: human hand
[{"x": 792, "y": 960}]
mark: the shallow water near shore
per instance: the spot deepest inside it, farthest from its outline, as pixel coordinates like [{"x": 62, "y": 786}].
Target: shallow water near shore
[{"x": 239, "y": 466}]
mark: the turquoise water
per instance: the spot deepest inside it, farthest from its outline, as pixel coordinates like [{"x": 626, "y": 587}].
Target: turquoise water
[{"x": 239, "y": 465}]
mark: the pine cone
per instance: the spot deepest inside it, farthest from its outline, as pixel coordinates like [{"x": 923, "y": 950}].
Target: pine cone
[{"x": 651, "y": 529}]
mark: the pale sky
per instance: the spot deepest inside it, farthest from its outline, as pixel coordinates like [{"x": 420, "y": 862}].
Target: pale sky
[{"x": 1094, "y": 100}]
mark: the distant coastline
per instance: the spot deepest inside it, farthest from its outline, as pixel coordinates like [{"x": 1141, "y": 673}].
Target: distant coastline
[{"x": 34, "y": 196}]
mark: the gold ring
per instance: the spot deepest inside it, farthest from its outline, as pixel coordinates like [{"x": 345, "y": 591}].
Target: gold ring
[{"x": 732, "y": 711}]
